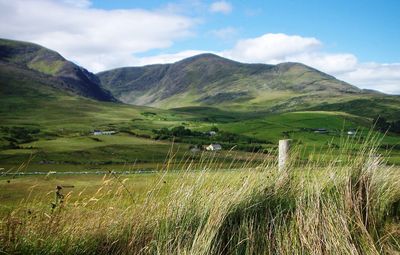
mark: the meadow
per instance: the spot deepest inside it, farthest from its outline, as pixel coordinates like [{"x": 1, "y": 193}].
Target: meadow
[
  {"x": 338, "y": 207},
  {"x": 59, "y": 131},
  {"x": 339, "y": 194}
]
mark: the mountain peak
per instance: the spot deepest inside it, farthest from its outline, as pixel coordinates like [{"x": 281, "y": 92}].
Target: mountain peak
[
  {"x": 31, "y": 55},
  {"x": 209, "y": 78},
  {"x": 46, "y": 62},
  {"x": 206, "y": 57}
]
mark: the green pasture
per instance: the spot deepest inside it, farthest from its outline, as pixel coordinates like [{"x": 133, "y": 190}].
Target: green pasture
[
  {"x": 74, "y": 143},
  {"x": 66, "y": 123}
]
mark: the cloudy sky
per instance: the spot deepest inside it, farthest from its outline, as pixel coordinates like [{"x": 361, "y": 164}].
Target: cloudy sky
[{"x": 357, "y": 41}]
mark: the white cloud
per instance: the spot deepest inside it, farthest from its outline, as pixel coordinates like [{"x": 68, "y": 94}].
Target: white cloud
[
  {"x": 327, "y": 62},
  {"x": 270, "y": 47},
  {"x": 168, "y": 58},
  {"x": 97, "y": 39},
  {"x": 221, "y": 7},
  {"x": 278, "y": 48},
  {"x": 383, "y": 77}
]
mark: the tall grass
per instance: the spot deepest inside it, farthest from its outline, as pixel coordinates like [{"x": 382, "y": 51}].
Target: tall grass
[{"x": 349, "y": 204}]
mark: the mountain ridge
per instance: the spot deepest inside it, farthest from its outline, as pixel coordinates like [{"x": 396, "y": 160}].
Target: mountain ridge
[
  {"x": 209, "y": 75},
  {"x": 205, "y": 80},
  {"x": 64, "y": 74}
]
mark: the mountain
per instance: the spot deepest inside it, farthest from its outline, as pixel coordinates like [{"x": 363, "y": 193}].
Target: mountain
[
  {"x": 213, "y": 81},
  {"x": 210, "y": 79},
  {"x": 28, "y": 71},
  {"x": 48, "y": 67}
]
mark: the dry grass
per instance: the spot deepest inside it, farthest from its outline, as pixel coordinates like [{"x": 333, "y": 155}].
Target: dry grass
[{"x": 337, "y": 208}]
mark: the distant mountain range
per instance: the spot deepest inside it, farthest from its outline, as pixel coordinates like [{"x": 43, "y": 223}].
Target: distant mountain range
[
  {"x": 203, "y": 80},
  {"x": 213, "y": 81},
  {"x": 209, "y": 79}
]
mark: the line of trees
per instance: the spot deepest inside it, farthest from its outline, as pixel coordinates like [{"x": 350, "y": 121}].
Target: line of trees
[
  {"x": 381, "y": 124},
  {"x": 226, "y": 139},
  {"x": 18, "y": 135},
  {"x": 222, "y": 136}
]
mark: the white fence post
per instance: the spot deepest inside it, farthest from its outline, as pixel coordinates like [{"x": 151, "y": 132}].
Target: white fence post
[{"x": 284, "y": 147}]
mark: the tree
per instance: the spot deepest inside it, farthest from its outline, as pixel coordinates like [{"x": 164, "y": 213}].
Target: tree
[
  {"x": 395, "y": 127},
  {"x": 180, "y": 131},
  {"x": 214, "y": 128},
  {"x": 381, "y": 124}
]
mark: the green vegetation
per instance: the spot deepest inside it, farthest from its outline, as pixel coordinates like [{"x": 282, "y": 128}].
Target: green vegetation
[
  {"x": 21, "y": 62},
  {"x": 63, "y": 135},
  {"x": 51, "y": 68},
  {"x": 351, "y": 208},
  {"x": 209, "y": 79},
  {"x": 19, "y": 135},
  {"x": 228, "y": 140},
  {"x": 383, "y": 125},
  {"x": 46, "y": 122},
  {"x": 384, "y": 106},
  {"x": 161, "y": 193}
]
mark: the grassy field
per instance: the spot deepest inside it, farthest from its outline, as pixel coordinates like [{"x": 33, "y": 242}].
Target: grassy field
[
  {"x": 230, "y": 202},
  {"x": 71, "y": 143},
  {"x": 307, "y": 208}
]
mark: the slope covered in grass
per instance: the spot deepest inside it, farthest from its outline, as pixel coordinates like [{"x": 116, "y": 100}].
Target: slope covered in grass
[
  {"x": 207, "y": 78},
  {"x": 35, "y": 62},
  {"x": 34, "y": 112}
]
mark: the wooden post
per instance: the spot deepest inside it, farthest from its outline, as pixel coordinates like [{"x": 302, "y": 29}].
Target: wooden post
[{"x": 284, "y": 146}]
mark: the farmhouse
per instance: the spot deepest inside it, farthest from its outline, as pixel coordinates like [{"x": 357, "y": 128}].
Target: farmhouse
[
  {"x": 99, "y": 132},
  {"x": 212, "y": 133},
  {"x": 214, "y": 147},
  {"x": 351, "y": 132}
]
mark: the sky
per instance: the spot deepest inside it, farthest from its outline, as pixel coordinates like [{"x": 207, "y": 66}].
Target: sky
[{"x": 356, "y": 41}]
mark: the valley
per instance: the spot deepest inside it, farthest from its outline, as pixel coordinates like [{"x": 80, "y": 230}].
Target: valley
[
  {"x": 200, "y": 127},
  {"x": 166, "y": 145},
  {"x": 44, "y": 123}
]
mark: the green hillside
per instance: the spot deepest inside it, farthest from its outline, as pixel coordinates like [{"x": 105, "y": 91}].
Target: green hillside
[
  {"x": 40, "y": 63},
  {"x": 47, "y": 122},
  {"x": 209, "y": 80}
]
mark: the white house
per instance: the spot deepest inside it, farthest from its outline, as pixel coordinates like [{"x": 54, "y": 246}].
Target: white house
[
  {"x": 212, "y": 133},
  {"x": 351, "y": 133},
  {"x": 98, "y": 132},
  {"x": 214, "y": 147}
]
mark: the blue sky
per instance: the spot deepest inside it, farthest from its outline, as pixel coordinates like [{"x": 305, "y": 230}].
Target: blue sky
[
  {"x": 356, "y": 41},
  {"x": 369, "y": 29}
]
